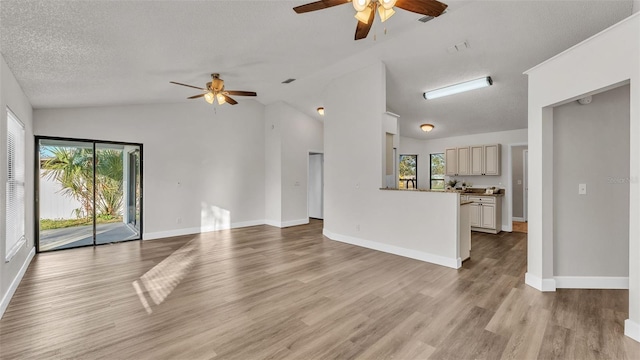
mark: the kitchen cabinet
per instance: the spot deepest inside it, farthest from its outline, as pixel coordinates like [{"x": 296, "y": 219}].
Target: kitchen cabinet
[
  {"x": 456, "y": 161},
  {"x": 485, "y": 159},
  {"x": 485, "y": 214}
]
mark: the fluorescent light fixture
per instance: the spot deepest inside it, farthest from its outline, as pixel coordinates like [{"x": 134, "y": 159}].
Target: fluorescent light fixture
[{"x": 458, "y": 88}]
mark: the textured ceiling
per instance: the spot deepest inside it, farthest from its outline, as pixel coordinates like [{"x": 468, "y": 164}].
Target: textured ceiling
[{"x": 95, "y": 53}]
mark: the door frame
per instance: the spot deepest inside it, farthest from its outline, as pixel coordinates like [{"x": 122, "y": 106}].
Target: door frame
[
  {"x": 309, "y": 153},
  {"x": 36, "y": 186},
  {"x": 525, "y": 184}
]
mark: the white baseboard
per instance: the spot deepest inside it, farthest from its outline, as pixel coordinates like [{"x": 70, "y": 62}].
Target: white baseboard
[
  {"x": 507, "y": 228},
  {"x": 295, "y": 222},
  {"x": 535, "y": 282},
  {"x": 198, "y": 230},
  {"x": 454, "y": 263},
  {"x": 632, "y": 329},
  {"x": 16, "y": 281},
  {"x": 520, "y": 219},
  {"x": 591, "y": 282},
  {"x": 284, "y": 224}
]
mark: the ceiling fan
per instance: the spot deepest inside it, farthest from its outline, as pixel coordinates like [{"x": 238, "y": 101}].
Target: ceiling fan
[
  {"x": 215, "y": 91},
  {"x": 366, "y": 10}
]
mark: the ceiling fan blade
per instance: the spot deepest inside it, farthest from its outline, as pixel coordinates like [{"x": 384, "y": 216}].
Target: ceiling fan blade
[
  {"x": 191, "y": 86},
  {"x": 240, "y": 93},
  {"x": 330, "y": 3},
  {"x": 229, "y": 100},
  {"x": 424, "y": 7},
  {"x": 362, "y": 29},
  {"x": 318, "y": 5},
  {"x": 195, "y": 96}
]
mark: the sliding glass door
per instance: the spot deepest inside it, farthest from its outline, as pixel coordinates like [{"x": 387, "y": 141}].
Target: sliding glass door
[{"x": 88, "y": 193}]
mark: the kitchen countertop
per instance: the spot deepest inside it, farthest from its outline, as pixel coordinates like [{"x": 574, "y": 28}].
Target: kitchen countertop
[{"x": 473, "y": 192}]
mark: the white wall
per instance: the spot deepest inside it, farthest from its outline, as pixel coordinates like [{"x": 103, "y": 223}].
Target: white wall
[
  {"x": 423, "y": 148},
  {"x": 591, "y": 146},
  {"x": 290, "y": 136},
  {"x": 12, "y": 96},
  {"x": 273, "y": 165},
  {"x": 421, "y": 225},
  {"x": 606, "y": 60},
  {"x": 203, "y": 170}
]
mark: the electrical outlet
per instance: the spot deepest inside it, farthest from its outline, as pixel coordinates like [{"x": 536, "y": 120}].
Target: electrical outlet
[
  {"x": 358, "y": 227},
  {"x": 178, "y": 220},
  {"x": 582, "y": 189}
]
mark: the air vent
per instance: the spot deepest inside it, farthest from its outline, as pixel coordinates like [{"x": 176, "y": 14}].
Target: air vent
[
  {"x": 424, "y": 19},
  {"x": 288, "y": 81}
]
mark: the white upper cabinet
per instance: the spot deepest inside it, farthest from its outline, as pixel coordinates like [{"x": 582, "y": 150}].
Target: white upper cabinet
[
  {"x": 485, "y": 159},
  {"x": 456, "y": 161},
  {"x": 451, "y": 162},
  {"x": 463, "y": 161},
  {"x": 492, "y": 159}
]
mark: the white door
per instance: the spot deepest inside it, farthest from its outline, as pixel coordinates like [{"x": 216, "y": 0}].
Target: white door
[
  {"x": 491, "y": 164},
  {"x": 463, "y": 161},
  {"x": 315, "y": 188},
  {"x": 451, "y": 162},
  {"x": 488, "y": 217},
  {"x": 525, "y": 183},
  {"x": 474, "y": 215}
]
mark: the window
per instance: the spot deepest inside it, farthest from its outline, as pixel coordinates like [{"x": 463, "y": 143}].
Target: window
[
  {"x": 437, "y": 171},
  {"x": 408, "y": 172},
  {"x": 15, "y": 214}
]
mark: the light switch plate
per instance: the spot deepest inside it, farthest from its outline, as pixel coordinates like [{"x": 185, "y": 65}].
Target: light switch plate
[{"x": 582, "y": 189}]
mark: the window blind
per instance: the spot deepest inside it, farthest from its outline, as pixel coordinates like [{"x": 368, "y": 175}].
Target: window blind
[{"x": 15, "y": 208}]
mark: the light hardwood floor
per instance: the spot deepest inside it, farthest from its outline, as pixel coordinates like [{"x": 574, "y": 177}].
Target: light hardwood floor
[{"x": 269, "y": 293}]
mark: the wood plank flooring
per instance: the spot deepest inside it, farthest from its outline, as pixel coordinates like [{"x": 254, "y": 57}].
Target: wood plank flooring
[
  {"x": 269, "y": 293},
  {"x": 519, "y": 226}
]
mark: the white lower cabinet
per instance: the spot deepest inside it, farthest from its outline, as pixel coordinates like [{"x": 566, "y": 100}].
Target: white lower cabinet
[{"x": 485, "y": 214}]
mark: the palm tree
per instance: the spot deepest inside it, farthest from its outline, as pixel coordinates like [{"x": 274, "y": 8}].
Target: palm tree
[{"x": 73, "y": 169}]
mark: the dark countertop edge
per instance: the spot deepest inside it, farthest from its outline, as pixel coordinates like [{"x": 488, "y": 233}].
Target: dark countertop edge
[{"x": 447, "y": 192}]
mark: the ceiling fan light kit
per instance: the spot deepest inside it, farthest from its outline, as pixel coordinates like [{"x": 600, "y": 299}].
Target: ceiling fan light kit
[
  {"x": 366, "y": 9},
  {"x": 361, "y": 5},
  {"x": 458, "y": 88},
  {"x": 215, "y": 91}
]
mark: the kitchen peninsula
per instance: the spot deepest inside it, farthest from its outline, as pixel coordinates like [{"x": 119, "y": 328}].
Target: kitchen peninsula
[{"x": 457, "y": 244}]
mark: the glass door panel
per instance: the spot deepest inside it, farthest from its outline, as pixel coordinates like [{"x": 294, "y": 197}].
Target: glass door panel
[
  {"x": 116, "y": 193},
  {"x": 65, "y": 194}
]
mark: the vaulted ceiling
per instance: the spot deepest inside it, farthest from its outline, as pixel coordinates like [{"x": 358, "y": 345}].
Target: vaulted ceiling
[{"x": 102, "y": 53}]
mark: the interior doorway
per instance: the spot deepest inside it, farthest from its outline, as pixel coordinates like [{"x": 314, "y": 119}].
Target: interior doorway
[
  {"x": 525, "y": 184},
  {"x": 87, "y": 193},
  {"x": 315, "y": 190}
]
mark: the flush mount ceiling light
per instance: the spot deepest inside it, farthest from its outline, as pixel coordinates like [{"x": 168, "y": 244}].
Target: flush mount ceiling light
[
  {"x": 366, "y": 10},
  {"x": 321, "y": 111},
  {"x": 426, "y": 127},
  {"x": 458, "y": 88}
]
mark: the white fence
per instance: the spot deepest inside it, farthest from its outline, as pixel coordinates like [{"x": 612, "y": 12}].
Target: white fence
[{"x": 53, "y": 204}]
